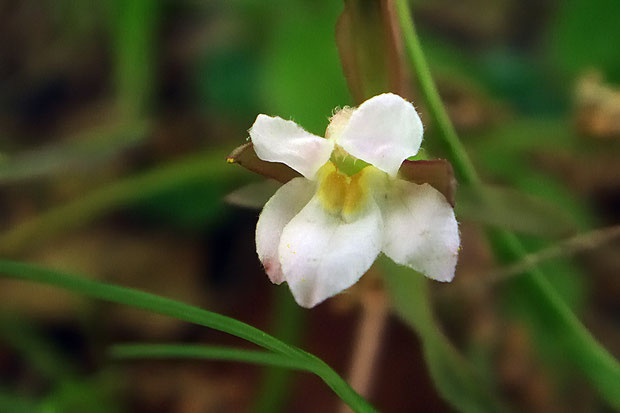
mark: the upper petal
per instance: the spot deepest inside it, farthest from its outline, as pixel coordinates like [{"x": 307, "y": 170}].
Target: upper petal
[
  {"x": 384, "y": 131},
  {"x": 278, "y": 211},
  {"x": 279, "y": 140},
  {"x": 322, "y": 254},
  {"x": 421, "y": 231}
]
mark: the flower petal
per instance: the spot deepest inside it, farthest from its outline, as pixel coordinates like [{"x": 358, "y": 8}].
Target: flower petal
[
  {"x": 384, "y": 131},
  {"x": 322, "y": 254},
  {"x": 279, "y": 140},
  {"x": 278, "y": 211},
  {"x": 421, "y": 231}
]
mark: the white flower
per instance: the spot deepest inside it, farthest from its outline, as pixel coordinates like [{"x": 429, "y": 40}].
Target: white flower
[{"x": 321, "y": 232}]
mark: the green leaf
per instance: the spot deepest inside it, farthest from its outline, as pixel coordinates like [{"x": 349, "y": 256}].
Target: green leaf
[
  {"x": 83, "y": 151},
  {"x": 13, "y": 403},
  {"x": 209, "y": 166},
  {"x": 185, "y": 312},
  {"x": 514, "y": 210},
  {"x": 547, "y": 311},
  {"x": 455, "y": 379}
]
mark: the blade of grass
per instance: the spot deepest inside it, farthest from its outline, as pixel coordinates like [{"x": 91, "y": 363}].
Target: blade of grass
[
  {"x": 85, "y": 151},
  {"x": 455, "y": 378},
  {"x": 209, "y": 165},
  {"x": 464, "y": 169},
  {"x": 192, "y": 351},
  {"x": 133, "y": 30},
  {"x": 185, "y": 312},
  {"x": 288, "y": 325},
  {"x": 601, "y": 369}
]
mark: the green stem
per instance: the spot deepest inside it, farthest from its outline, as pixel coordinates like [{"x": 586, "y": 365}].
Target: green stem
[
  {"x": 464, "y": 169},
  {"x": 275, "y": 384},
  {"x": 576, "y": 342}
]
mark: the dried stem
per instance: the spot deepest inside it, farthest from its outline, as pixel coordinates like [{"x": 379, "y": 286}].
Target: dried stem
[{"x": 368, "y": 339}]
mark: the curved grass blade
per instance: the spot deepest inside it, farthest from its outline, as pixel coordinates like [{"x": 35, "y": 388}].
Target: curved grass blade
[
  {"x": 192, "y": 351},
  {"x": 185, "y": 312}
]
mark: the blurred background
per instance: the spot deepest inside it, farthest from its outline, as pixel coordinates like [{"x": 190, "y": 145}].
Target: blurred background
[{"x": 115, "y": 121}]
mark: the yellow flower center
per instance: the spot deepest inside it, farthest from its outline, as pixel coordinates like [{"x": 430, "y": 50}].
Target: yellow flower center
[{"x": 340, "y": 193}]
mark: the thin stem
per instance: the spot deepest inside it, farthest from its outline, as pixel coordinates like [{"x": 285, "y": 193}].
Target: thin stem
[
  {"x": 578, "y": 345},
  {"x": 464, "y": 169},
  {"x": 368, "y": 340},
  {"x": 573, "y": 245}
]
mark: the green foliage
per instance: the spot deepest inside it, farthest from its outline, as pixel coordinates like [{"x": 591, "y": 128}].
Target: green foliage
[
  {"x": 547, "y": 313},
  {"x": 584, "y": 36},
  {"x": 289, "y": 322},
  {"x": 190, "y": 171},
  {"x": 185, "y": 312},
  {"x": 531, "y": 290},
  {"x": 301, "y": 75},
  {"x": 189, "y": 351},
  {"x": 67, "y": 389},
  {"x": 227, "y": 80},
  {"x": 86, "y": 151},
  {"x": 133, "y": 27},
  {"x": 455, "y": 378},
  {"x": 514, "y": 210},
  {"x": 78, "y": 394},
  {"x": 13, "y": 403}
]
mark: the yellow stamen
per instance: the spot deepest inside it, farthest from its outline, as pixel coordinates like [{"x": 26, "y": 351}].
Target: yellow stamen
[{"x": 340, "y": 193}]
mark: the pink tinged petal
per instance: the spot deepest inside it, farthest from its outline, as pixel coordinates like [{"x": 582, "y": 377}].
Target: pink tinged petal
[
  {"x": 279, "y": 140},
  {"x": 278, "y": 211},
  {"x": 383, "y": 131},
  {"x": 322, "y": 254},
  {"x": 421, "y": 231}
]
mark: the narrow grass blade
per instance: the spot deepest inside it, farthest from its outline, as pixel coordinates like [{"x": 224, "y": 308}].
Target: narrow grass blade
[
  {"x": 192, "y": 351},
  {"x": 454, "y": 377},
  {"x": 206, "y": 166},
  {"x": 185, "y": 312}
]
